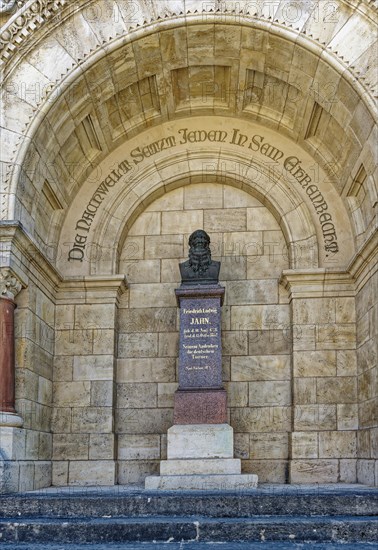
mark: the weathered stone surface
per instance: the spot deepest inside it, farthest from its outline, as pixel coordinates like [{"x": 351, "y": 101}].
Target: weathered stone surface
[
  {"x": 310, "y": 471},
  {"x": 200, "y": 466},
  {"x": 200, "y": 441},
  {"x": 138, "y": 447},
  {"x": 202, "y": 482}
]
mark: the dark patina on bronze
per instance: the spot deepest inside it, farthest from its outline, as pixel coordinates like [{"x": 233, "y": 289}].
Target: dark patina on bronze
[{"x": 199, "y": 269}]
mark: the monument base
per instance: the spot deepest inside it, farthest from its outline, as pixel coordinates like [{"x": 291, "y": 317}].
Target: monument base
[
  {"x": 200, "y": 457},
  {"x": 216, "y": 482},
  {"x": 200, "y": 407}
]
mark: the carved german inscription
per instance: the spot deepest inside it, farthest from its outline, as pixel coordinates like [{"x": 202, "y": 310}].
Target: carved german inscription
[
  {"x": 291, "y": 167},
  {"x": 200, "y": 352}
]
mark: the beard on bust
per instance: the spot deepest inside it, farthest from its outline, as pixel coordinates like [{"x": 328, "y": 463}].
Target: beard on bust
[{"x": 199, "y": 259}]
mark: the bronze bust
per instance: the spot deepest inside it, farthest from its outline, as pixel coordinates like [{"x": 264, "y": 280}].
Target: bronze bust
[{"x": 199, "y": 269}]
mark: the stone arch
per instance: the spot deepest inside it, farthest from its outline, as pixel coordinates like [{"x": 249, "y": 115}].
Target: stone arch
[{"x": 53, "y": 116}]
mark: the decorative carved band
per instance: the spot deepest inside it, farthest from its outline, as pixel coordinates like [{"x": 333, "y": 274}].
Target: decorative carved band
[
  {"x": 10, "y": 285},
  {"x": 30, "y": 17},
  {"x": 7, "y": 6}
]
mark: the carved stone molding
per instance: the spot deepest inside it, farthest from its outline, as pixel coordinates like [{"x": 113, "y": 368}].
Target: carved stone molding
[
  {"x": 10, "y": 285},
  {"x": 30, "y": 18},
  {"x": 7, "y": 6}
]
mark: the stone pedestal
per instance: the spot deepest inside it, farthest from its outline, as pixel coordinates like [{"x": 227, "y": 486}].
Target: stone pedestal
[
  {"x": 200, "y": 457},
  {"x": 200, "y": 452}
]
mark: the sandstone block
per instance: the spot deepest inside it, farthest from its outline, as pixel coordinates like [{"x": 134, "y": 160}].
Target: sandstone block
[
  {"x": 170, "y": 272},
  {"x": 147, "y": 223},
  {"x": 235, "y": 342},
  {"x": 336, "y": 390},
  {"x": 304, "y": 392},
  {"x": 141, "y": 271},
  {"x": 259, "y": 317},
  {"x": 149, "y": 319},
  {"x": 185, "y": 221},
  {"x": 136, "y": 471},
  {"x": 91, "y": 472},
  {"x": 60, "y": 473},
  {"x": 270, "y": 342},
  {"x": 234, "y": 219},
  {"x": 260, "y": 219},
  {"x": 146, "y": 370},
  {"x": 161, "y": 295},
  {"x": 241, "y": 445},
  {"x": 338, "y": 444},
  {"x": 261, "y": 419},
  {"x": 237, "y": 394},
  {"x": 269, "y": 393},
  {"x": 304, "y": 445},
  {"x": 314, "y": 363},
  {"x": 233, "y": 268},
  {"x": 92, "y": 420},
  {"x": 314, "y": 417},
  {"x": 101, "y": 446},
  {"x": 269, "y": 446},
  {"x": 365, "y": 471},
  {"x": 166, "y": 394},
  {"x": 348, "y": 471},
  {"x": 104, "y": 341},
  {"x": 174, "y": 200},
  {"x": 138, "y": 447},
  {"x": 312, "y": 471},
  {"x": 73, "y": 394},
  {"x": 346, "y": 363},
  {"x": 268, "y": 471},
  {"x": 165, "y": 246},
  {"x": 93, "y": 367},
  {"x": 317, "y": 311},
  {"x": 252, "y": 292},
  {"x": 168, "y": 344},
  {"x": 95, "y": 315},
  {"x": 136, "y": 395},
  {"x": 70, "y": 446},
  {"x": 136, "y": 344},
  {"x": 304, "y": 337},
  {"x": 347, "y": 417},
  {"x": 63, "y": 369},
  {"x": 102, "y": 394},
  {"x": 336, "y": 336},
  {"x": 203, "y": 197},
  {"x": 143, "y": 421},
  {"x": 264, "y": 367}
]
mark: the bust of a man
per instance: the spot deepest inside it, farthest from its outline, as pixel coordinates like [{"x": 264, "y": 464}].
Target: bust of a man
[{"x": 199, "y": 269}]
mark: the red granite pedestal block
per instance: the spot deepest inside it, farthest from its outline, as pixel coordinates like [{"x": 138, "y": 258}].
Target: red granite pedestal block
[{"x": 200, "y": 407}]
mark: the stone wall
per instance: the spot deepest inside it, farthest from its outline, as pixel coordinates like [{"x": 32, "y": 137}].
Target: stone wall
[
  {"x": 27, "y": 450},
  {"x": 83, "y": 416},
  {"x": 367, "y": 331},
  {"x": 256, "y": 335}
]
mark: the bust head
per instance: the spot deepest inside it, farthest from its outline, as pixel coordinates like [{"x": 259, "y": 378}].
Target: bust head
[
  {"x": 199, "y": 268},
  {"x": 199, "y": 251}
]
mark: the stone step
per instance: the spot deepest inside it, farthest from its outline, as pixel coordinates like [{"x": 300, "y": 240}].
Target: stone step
[
  {"x": 194, "y": 546},
  {"x": 339, "y": 529},
  {"x": 273, "y": 500}
]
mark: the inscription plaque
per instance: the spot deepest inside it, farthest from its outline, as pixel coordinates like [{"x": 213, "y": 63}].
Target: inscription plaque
[{"x": 200, "y": 347}]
